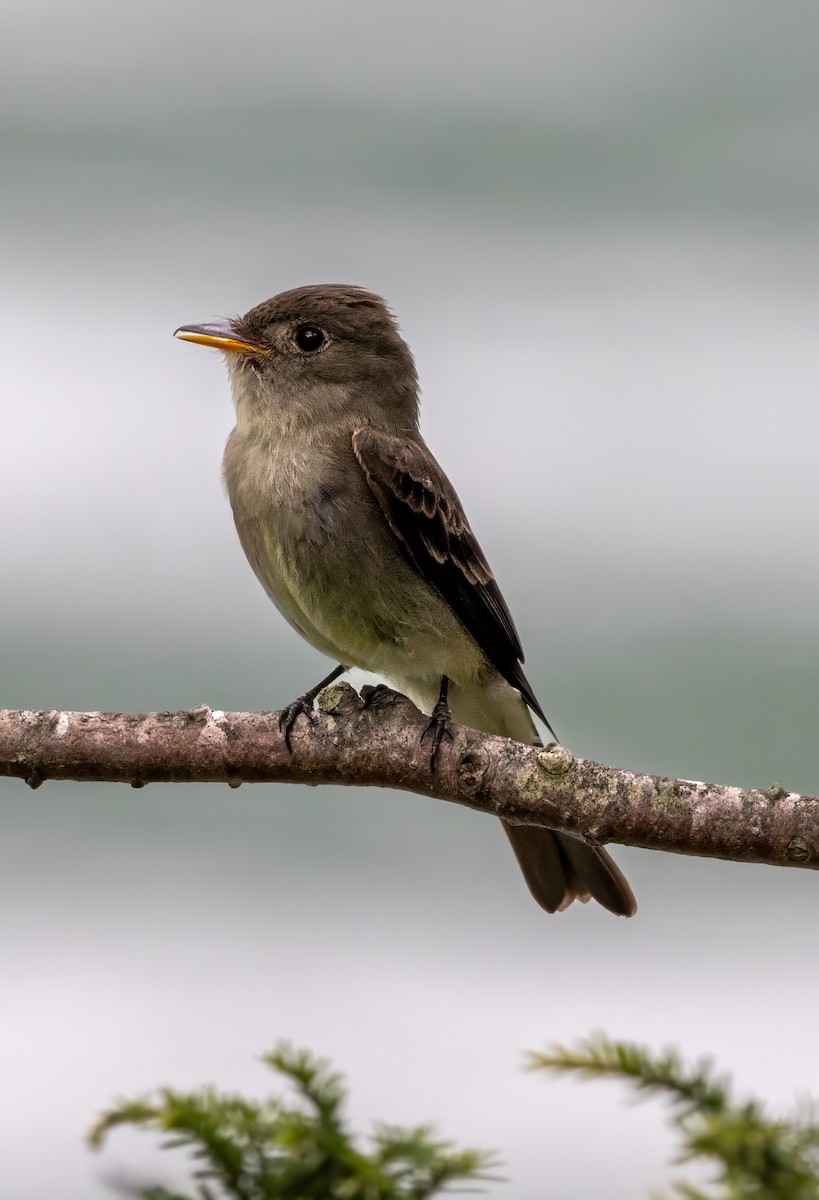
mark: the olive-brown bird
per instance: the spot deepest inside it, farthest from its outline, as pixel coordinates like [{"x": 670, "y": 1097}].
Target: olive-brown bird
[{"x": 360, "y": 541}]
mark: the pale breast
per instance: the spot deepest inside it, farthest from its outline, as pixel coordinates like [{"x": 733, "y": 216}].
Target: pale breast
[{"x": 324, "y": 553}]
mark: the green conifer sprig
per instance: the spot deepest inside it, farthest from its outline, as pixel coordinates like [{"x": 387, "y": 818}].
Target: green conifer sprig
[
  {"x": 275, "y": 1149},
  {"x": 754, "y": 1157}
]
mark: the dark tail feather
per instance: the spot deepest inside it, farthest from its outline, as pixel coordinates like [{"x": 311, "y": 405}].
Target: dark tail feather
[
  {"x": 559, "y": 868},
  {"x": 539, "y": 857},
  {"x": 598, "y": 874}
]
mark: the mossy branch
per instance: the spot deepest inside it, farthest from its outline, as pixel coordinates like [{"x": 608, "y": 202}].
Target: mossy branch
[{"x": 377, "y": 742}]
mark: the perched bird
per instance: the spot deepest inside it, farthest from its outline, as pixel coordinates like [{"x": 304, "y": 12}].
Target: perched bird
[{"x": 360, "y": 541}]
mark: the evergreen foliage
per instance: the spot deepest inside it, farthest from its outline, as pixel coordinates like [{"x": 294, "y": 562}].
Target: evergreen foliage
[
  {"x": 298, "y": 1150},
  {"x": 302, "y": 1149},
  {"x": 754, "y": 1156}
]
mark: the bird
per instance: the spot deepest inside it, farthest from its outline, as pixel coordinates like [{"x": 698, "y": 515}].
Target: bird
[{"x": 359, "y": 539}]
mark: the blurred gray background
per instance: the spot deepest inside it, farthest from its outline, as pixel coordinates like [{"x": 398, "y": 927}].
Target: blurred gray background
[{"x": 597, "y": 225}]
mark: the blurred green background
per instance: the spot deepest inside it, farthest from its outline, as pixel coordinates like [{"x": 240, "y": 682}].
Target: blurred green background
[{"x": 597, "y": 225}]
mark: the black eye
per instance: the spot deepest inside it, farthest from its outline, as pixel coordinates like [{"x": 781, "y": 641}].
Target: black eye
[{"x": 309, "y": 338}]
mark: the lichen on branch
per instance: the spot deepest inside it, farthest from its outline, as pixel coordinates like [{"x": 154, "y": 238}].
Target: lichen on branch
[{"x": 378, "y": 743}]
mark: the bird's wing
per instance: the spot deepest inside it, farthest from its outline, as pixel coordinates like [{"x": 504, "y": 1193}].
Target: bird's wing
[{"x": 425, "y": 514}]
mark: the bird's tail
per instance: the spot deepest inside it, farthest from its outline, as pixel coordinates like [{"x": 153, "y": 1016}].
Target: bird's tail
[{"x": 558, "y": 868}]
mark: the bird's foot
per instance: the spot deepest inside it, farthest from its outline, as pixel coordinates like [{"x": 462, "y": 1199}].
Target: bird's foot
[
  {"x": 438, "y": 729},
  {"x": 372, "y": 692},
  {"x": 302, "y": 707}
]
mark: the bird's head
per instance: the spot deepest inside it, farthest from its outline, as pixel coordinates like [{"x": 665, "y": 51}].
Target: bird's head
[{"x": 315, "y": 354}]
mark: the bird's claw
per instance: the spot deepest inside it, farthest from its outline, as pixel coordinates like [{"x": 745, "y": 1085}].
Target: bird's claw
[
  {"x": 438, "y": 729},
  {"x": 302, "y": 707}
]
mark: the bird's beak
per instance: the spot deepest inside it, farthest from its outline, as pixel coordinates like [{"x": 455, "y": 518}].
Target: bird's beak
[{"x": 219, "y": 335}]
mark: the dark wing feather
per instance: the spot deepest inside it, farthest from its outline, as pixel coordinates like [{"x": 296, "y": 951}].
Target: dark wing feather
[{"x": 425, "y": 515}]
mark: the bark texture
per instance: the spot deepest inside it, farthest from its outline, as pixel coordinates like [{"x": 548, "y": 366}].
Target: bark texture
[{"x": 377, "y": 743}]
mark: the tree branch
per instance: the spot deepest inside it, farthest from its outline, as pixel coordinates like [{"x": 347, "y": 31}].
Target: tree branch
[{"x": 378, "y": 744}]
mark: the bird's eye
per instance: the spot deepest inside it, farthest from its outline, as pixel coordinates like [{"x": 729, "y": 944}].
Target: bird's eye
[{"x": 309, "y": 338}]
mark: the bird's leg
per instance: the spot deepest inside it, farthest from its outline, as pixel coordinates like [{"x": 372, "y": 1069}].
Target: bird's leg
[
  {"x": 303, "y": 706},
  {"x": 438, "y": 727}
]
